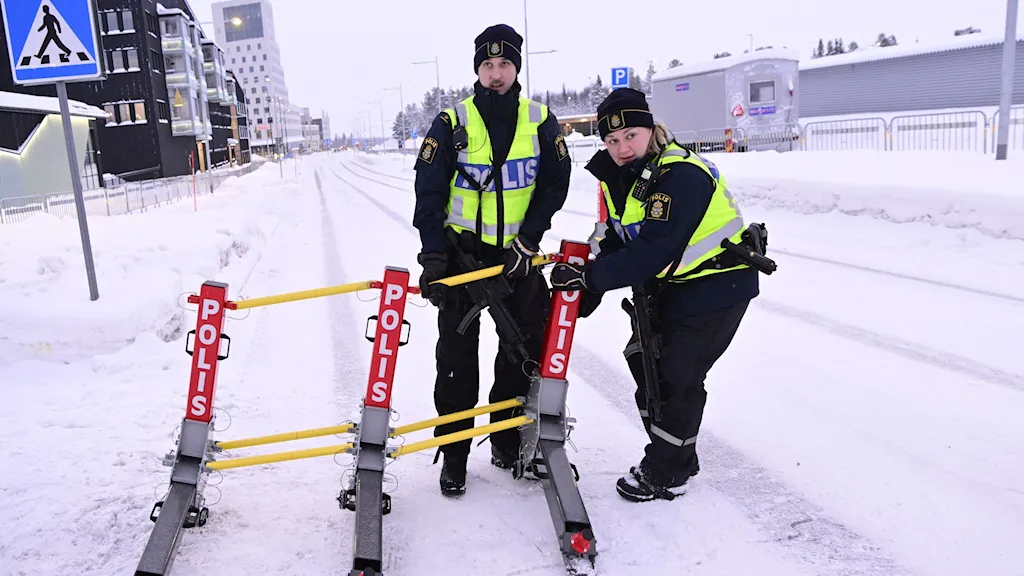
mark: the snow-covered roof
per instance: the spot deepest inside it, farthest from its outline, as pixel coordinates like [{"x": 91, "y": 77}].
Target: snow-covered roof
[
  {"x": 165, "y": 11},
  {"x": 49, "y": 104},
  {"x": 873, "y": 53},
  {"x": 723, "y": 63}
]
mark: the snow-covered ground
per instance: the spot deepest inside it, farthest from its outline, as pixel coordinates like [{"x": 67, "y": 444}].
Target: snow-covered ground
[{"x": 865, "y": 421}]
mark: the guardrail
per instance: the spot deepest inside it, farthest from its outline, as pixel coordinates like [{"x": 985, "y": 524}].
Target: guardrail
[{"x": 126, "y": 198}]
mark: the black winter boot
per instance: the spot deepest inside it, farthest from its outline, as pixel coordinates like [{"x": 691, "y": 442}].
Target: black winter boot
[
  {"x": 642, "y": 485},
  {"x": 501, "y": 458},
  {"x": 453, "y": 475}
]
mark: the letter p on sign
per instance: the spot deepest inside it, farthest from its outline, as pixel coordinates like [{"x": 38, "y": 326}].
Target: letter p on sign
[{"x": 620, "y": 77}]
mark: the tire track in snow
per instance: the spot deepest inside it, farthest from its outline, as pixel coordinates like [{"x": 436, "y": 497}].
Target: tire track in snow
[
  {"x": 907, "y": 349},
  {"x": 872, "y": 270},
  {"x": 770, "y": 505},
  {"x": 350, "y": 374},
  {"x": 892, "y": 344},
  {"x": 792, "y": 522}
]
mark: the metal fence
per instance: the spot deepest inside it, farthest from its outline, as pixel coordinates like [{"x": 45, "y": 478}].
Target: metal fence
[
  {"x": 122, "y": 198},
  {"x": 962, "y": 131}
]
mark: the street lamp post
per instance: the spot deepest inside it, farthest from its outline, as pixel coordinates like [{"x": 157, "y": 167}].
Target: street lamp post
[
  {"x": 437, "y": 75},
  {"x": 273, "y": 140},
  {"x": 401, "y": 102},
  {"x": 383, "y": 138},
  {"x": 527, "y": 53},
  {"x": 369, "y": 124}
]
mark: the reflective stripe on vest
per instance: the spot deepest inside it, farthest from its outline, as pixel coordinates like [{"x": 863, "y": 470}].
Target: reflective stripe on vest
[
  {"x": 722, "y": 220},
  {"x": 518, "y": 173}
]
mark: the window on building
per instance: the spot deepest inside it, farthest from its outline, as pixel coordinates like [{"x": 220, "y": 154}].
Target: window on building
[
  {"x": 163, "y": 111},
  {"x": 257, "y": 100},
  {"x": 133, "y": 58},
  {"x": 259, "y": 121},
  {"x": 264, "y": 56},
  {"x": 259, "y": 46},
  {"x": 234, "y": 61},
  {"x": 140, "y": 111},
  {"x": 264, "y": 89},
  {"x": 262, "y": 68},
  {"x": 123, "y": 60},
  {"x": 762, "y": 91},
  {"x": 256, "y": 79},
  {"x": 156, "y": 61},
  {"x": 152, "y": 24},
  {"x": 117, "y": 22},
  {"x": 243, "y": 59},
  {"x": 111, "y": 114},
  {"x": 254, "y": 89},
  {"x": 238, "y": 48},
  {"x": 248, "y": 47}
]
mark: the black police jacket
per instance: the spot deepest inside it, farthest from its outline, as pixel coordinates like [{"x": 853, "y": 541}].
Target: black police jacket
[
  {"x": 433, "y": 177},
  {"x": 620, "y": 264}
]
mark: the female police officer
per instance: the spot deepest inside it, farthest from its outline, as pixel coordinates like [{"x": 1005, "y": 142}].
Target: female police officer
[{"x": 670, "y": 211}]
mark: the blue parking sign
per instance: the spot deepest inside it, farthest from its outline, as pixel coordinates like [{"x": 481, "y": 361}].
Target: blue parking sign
[
  {"x": 620, "y": 77},
  {"x": 52, "y": 40}
]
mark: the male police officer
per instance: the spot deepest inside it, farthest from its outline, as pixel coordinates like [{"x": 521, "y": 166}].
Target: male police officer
[{"x": 491, "y": 173}]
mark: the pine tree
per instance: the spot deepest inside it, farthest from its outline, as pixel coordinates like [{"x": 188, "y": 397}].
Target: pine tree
[
  {"x": 674, "y": 63},
  {"x": 647, "y": 85},
  {"x": 821, "y": 48},
  {"x": 840, "y": 48},
  {"x": 830, "y": 49},
  {"x": 722, "y": 55},
  {"x": 634, "y": 80},
  {"x": 853, "y": 46}
]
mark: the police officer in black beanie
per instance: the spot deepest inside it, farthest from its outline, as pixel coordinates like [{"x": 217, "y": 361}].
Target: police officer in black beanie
[
  {"x": 669, "y": 212},
  {"x": 490, "y": 175}
]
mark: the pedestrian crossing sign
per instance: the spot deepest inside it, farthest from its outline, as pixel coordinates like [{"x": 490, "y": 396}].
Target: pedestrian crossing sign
[{"x": 52, "y": 40}]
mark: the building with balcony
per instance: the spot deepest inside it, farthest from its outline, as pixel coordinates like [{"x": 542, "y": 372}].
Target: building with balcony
[{"x": 165, "y": 88}]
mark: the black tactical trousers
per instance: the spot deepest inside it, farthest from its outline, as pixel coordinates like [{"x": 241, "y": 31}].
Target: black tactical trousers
[
  {"x": 690, "y": 347},
  {"x": 457, "y": 386}
]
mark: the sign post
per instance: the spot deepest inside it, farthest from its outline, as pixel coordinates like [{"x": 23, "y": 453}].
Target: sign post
[
  {"x": 620, "y": 78},
  {"x": 55, "y": 42}
]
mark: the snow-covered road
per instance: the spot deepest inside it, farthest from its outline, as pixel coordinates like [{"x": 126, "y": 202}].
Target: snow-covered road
[{"x": 865, "y": 421}]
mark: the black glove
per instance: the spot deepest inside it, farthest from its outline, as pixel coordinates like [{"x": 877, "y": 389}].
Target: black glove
[
  {"x": 435, "y": 267},
  {"x": 589, "y": 301},
  {"x": 517, "y": 258},
  {"x": 568, "y": 277}
]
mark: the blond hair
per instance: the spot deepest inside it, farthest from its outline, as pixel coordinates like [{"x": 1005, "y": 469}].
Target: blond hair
[{"x": 660, "y": 138}]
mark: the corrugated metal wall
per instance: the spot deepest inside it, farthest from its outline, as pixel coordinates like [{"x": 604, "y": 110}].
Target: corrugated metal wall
[{"x": 958, "y": 79}]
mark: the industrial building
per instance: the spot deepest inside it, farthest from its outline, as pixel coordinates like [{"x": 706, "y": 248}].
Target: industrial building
[{"x": 964, "y": 72}]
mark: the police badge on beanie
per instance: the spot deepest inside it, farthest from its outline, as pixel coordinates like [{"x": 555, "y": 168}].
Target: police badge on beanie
[
  {"x": 498, "y": 41},
  {"x": 623, "y": 108}
]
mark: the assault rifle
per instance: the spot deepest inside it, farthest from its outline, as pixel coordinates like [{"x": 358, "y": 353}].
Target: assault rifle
[
  {"x": 641, "y": 314},
  {"x": 488, "y": 293}
]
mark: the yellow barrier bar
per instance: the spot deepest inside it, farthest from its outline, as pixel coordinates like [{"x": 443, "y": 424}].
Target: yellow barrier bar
[
  {"x": 539, "y": 260},
  {"x": 279, "y": 457},
  {"x": 285, "y": 436},
  {"x": 471, "y": 413},
  {"x": 457, "y": 436},
  {"x": 303, "y": 295}
]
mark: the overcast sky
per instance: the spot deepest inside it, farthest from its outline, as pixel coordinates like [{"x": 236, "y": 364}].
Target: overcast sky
[{"x": 338, "y": 55}]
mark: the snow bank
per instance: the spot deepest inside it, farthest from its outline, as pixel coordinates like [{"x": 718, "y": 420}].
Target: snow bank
[
  {"x": 144, "y": 265},
  {"x": 955, "y": 190}
]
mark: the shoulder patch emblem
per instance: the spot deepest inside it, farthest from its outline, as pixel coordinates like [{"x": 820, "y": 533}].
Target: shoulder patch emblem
[
  {"x": 658, "y": 206},
  {"x": 446, "y": 118},
  {"x": 428, "y": 150},
  {"x": 561, "y": 149}
]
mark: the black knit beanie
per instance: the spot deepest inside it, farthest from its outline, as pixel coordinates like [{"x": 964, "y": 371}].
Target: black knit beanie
[
  {"x": 623, "y": 108},
  {"x": 501, "y": 41}
]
